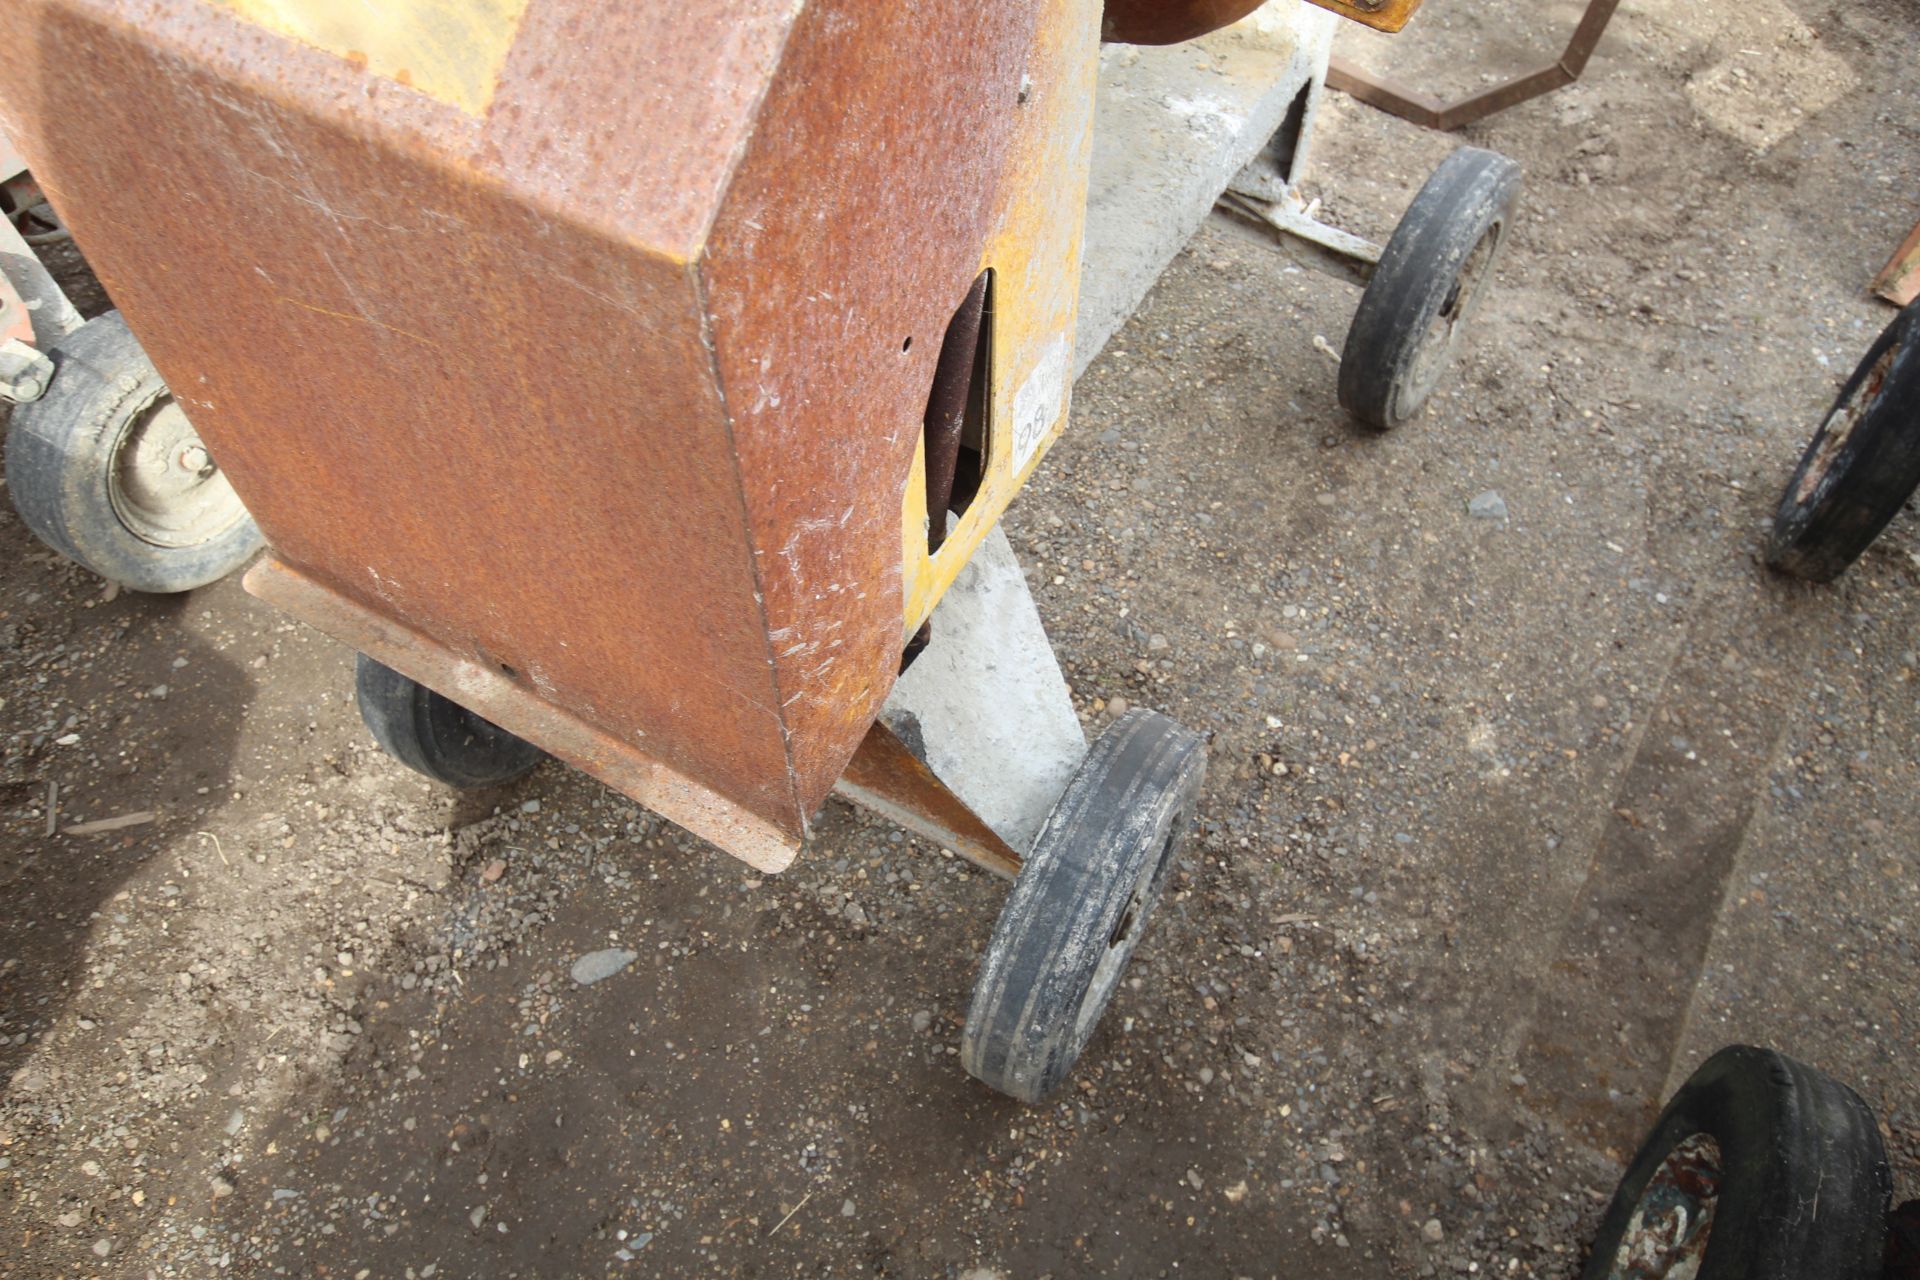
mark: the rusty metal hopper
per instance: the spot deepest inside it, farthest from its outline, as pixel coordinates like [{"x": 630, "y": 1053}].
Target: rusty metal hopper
[{"x": 574, "y": 357}]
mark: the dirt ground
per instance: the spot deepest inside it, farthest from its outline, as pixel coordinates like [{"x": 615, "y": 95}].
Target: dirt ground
[{"x": 1508, "y": 823}]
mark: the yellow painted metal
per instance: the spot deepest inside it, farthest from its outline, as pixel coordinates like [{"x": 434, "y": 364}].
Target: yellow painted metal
[
  {"x": 1034, "y": 253},
  {"x": 451, "y": 50},
  {"x": 1382, "y": 15}
]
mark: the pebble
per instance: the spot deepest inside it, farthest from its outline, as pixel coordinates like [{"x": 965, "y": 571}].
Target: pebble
[
  {"x": 922, "y": 1019},
  {"x": 478, "y": 1216},
  {"x": 1488, "y": 506},
  {"x": 596, "y": 965},
  {"x": 222, "y": 1188},
  {"x": 1432, "y": 1232},
  {"x": 1118, "y": 706},
  {"x": 102, "y": 1247},
  {"x": 846, "y": 1208}
]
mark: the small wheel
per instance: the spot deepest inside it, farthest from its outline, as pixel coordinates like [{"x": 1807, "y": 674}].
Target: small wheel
[
  {"x": 1760, "y": 1168},
  {"x": 437, "y": 736},
  {"x": 1862, "y": 465},
  {"x": 1080, "y": 904},
  {"x": 106, "y": 470},
  {"x": 1430, "y": 279}
]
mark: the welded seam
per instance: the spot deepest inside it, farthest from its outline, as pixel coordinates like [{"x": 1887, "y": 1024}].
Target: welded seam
[
  {"x": 696, "y": 257},
  {"x": 698, "y": 280}
]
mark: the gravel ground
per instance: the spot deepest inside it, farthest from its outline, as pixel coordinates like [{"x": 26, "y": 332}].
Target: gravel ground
[{"x": 1510, "y": 819}]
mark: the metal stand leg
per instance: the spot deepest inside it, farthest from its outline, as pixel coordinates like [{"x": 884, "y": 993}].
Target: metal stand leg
[
  {"x": 1172, "y": 125},
  {"x": 1410, "y": 104},
  {"x": 1265, "y": 191},
  {"x": 979, "y": 737},
  {"x": 33, "y": 310},
  {"x": 888, "y": 779}
]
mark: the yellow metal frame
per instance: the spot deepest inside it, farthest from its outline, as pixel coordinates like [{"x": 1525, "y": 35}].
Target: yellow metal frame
[{"x": 1034, "y": 253}]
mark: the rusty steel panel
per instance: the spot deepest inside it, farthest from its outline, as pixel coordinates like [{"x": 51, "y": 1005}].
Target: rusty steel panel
[
  {"x": 593, "y": 373},
  {"x": 942, "y": 140},
  {"x": 430, "y": 392}
]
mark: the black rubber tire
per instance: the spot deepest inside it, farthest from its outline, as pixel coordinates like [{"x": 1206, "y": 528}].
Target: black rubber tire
[
  {"x": 434, "y": 735},
  {"x": 1426, "y": 287},
  {"x": 1861, "y": 466},
  {"x": 61, "y": 453},
  {"x": 1803, "y": 1184},
  {"x": 1081, "y": 904}
]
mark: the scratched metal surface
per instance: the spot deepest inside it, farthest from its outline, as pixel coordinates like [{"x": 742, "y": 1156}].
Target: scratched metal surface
[
  {"x": 436, "y": 393},
  {"x": 600, "y": 386},
  {"x": 924, "y": 166}
]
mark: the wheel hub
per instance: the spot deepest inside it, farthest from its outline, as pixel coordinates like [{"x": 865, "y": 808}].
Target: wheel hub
[
  {"x": 1667, "y": 1236},
  {"x": 1436, "y": 346},
  {"x": 164, "y": 485},
  {"x": 1127, "y": 928}
]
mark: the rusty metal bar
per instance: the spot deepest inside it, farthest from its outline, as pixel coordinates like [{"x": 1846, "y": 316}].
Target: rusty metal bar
[
  {"x": 947, "y": 407},
  {"x": 890, "y": 780},
  {"x": 1899, "y": 281},
  {"x": 1423, "y": 109}
]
